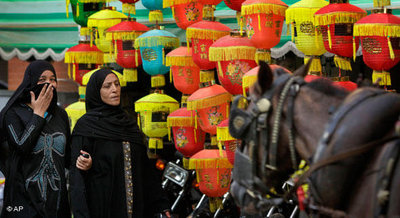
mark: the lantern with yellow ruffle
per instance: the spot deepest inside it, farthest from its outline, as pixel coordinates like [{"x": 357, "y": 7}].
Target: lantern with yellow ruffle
[
  {"x": 380, "y": 36},
  {"x": 235, "y": 55},
  {"x": 83, "y": 58},
  {"x": 336, "y": 22},
  {"x": 123, "y": 35},
  {"x": 264, "y": 22},
  {"x": 185, "y": 73},
  {"x": 98, "y": 23},
  {"x": 230, "y": 143},
  {"x": 304, "y": 33},
  {"x": 185, "y": 12},
  {"x": 128, "y": 6},
  {"x": 213, "y": 172},
  {"x": 202, "y": 35},
  {"x": 156, "y": 10},
  {"x": 154, "y": 45},
  {"x": 153, "y": 111},
  {"x": 188, "y": 139}
]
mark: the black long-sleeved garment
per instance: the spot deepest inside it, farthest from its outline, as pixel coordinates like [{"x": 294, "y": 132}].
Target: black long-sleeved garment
[{"x": 39, "y": 155}]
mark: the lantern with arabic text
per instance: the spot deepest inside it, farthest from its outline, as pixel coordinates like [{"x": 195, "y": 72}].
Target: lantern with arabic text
[
  {"x": 154, "y": 45},
  {"x": 83, "y": 58},
  {"x": 185, "y": 12},
  {"x": 235, "y": 56},
  {"x": 156, "y": 10},
  {"x": 153, "y": 110},
  {"x": 213, "y": 171},
  {"x": 336, "y": 22},
  {"x": 264, "y": 22},
  {"x": 185, "y": 73},
  {"x": 304, "y": 33},
  {"x": 230, "y": 143},
  {"x": 380, "y": 42},
  {"x": 99, "y": 22},
  {"x": 123, "y": 35},
  {"x": 128, "y": 6},
  {"x": 188, "y": 140},
  {"x": 202, "y": 35},
  {"x": 82, "y": 9}
]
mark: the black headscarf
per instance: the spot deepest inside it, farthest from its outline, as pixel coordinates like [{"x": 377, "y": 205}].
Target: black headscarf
[
  {"x": 29, "y": 83},
  {"x": 102, "y": 120}
]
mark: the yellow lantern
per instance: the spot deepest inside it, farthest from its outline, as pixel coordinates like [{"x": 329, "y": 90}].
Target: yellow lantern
[
  {"x": 153, "y": 111},
  {"x": 306, "y": 37}
]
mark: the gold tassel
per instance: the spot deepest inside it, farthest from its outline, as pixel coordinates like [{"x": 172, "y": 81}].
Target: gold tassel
[
  {"x": 329, "y": 38},
  {"x": 292, "y": 31},
  {"x": 163, "y": 56},
  {"x": 221, "y": 74},
  {"x": 67, "y": 8},
  {"x": 170, "y": 74},
  {"x": 385, "y": 78},
  {"x": 173, "y": 11},
  {"x": 73, "y": 71},
  {"x": 169, "y": 133},
  {"x": 227, "y": 110},
  {"x": 259, "y": 22},
  {"x": 220, "y": 148},
  {"x": 244, "y": 91},
  {"x": 69, "y": 70},
  {"x": 138, "y": 120},
  {"x": 354, "y": 49},
  {"x": 195, "y": 135},
  {"x": 136, "y": 58},
  {"x": 91, "y": 37},
  {"x": 195, "y": 119},
  {"x": 77, "y": 9},
  {"x": 390, "y": 48},
  {"x": 214, "y": 203},
  {"x": 115, "y": 48}
]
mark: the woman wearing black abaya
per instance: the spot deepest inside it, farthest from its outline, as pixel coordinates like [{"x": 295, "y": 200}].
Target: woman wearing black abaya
[
  {"x": 122, "y": 181},
  {"x": 37, "y": 132}
]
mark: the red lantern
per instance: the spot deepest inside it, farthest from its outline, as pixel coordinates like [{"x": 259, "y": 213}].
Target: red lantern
[
  {"x": 213, "y": 172},
  {"x": 235, "y": 5},
  {"x": 235, "y": 56},
  {"x": 264, "y": 20},
  {"x": 380, "y": 42},
  {"x": 186, "y": 12},
  {"x": 83, "y": 58},
  {"x": 225, "y": 137},
  {"x": 128, "y": 6},
  {"x": 188, "y": 140},
  {"x": 185, "y": 73},
  {"x": 123, "y": 35}
]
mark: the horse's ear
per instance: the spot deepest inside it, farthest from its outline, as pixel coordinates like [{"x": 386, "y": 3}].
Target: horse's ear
[
  {"x": 303, "y": 70},
  {"x": 265, "y": 76}
]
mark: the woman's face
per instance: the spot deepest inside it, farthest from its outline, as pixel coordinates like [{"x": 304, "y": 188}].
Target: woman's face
[
  {"x": 48, "y": 77},
  {"x": 110, "y": 91}
]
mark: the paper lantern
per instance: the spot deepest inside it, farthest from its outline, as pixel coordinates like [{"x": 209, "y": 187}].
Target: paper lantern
[
  {"x": 264, "y": 22},
  {"x": 336, "y": 22},
  {"x": 154, "y": 45},
  {"x": 230, "y": 143},
  {"x": 188, "y": 140},
  {"x": 128, "y": 6},
  {"x": 82, "y": 9},
  {"x": 235, "y": 55},
  {"x": 99, "y": 22},
  {"x": 185, "y": 73},
  {"x": 202, "y": 35},
  {"x": 83, "y": 58},
  {"x": 380, "y": 42},
  {"x": 304, "y": 33},
  {"x": 123, "y": 35},
  {"x": 153, "y": 111},
  {"x": 156, "y": 10},
  {"x": 185, "y": 12},
  {"x": 213, "y": 172}
]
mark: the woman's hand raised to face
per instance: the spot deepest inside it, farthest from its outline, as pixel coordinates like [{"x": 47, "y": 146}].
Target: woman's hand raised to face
[
  {"x": 43, "y": 101},
  {"x": 84, "y": 161}
]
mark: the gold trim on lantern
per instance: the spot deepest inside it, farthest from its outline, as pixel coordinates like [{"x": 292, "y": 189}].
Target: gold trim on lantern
[
  {"x": 338, "y": 17},
  {"x": 109, "y": 58},
  {"x": 223, "y": 134},
  {"x": 381, "y": 3},
  {"x": 300, "y": 15},
  {"x": 221, "y": 162},
  {"x": 120, "y": 35},
  {"x": 157, "y": 81},
  {"x": 130, "y": 75},
  {"x": 378, "y": 29},
  {"x": 206, "y": 76},
  {"x": 209, "y": 102},
  {"x": 169, "y": 3},
  {"x": 232, "y": 53},
  {"x": 103, "y": 23},
  {"x": 263, "y": 55},
  {"x": 384, "y": 76},
  {"x": 342, "y": 63},
  {"x": 180, "y": 121},
  {"x": 156, "y": 16},
  {"x": 152, "y": 41},
  {"x": 84, "y": 57},
  {"x": 156, "y": 143},
  {"x": 129, "y": 8},
  {"x": 193, "y": 33},
  {"x": 181, "y": 61},
  {"x": 263, "y": 9},
  {"x": 315, "y": 64},
  {"x": 84, "y": 31}
]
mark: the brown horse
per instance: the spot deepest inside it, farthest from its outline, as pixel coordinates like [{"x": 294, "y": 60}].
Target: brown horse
[{"x": 351, "y": 136}]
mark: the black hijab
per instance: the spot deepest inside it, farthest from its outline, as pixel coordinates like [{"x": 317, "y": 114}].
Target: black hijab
[
  {"x": 102, "y": 120},
  {"x": 29, "y": 83}
]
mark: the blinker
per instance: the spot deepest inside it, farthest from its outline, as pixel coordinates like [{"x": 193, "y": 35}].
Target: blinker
[{"x": 239, "y": 120}]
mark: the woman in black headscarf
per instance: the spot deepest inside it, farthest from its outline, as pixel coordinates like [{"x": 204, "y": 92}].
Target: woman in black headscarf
[
  {"x": 122, "y": 181},
  {"x": 37, "y": 132}
]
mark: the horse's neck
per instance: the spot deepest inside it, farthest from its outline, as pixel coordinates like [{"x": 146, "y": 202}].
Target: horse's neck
[{"x": 311, "y": 114}]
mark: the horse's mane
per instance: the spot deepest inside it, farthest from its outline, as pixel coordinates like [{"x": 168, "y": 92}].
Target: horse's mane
[{"x": 326, "y": 86}]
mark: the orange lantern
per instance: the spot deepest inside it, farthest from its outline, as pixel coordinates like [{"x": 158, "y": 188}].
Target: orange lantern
[
  {"x": 123, "y": 35},
  {"x": 83, "y": 58},
  {"x": 235, "y": 56},
  {"x": 185, "y": 12},
  {"x": 264, "y": 22},
  {"x": 230, "y": 143}
]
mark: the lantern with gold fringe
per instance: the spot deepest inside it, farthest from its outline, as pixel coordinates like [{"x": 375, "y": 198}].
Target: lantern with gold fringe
[
  {"x": 235, "y": 56},
  {"x": 188, "y": 140},
  {"x": 99, "y": 23},
  {"x": 154, "y": 45},
  {"x": 202, "y": 35},
  {"x": 185, "y": 12},
  {"x": 230, "y": 143},
  {"x": 380, "y": 36},
  {"x": 83, "y": 58},
  {"x": 185, "y": 73},
  {"x": 336, "y": 22},
  {"x": 264, "y": 22},
  {"x": 156, "y": 10},
  {"x": 82, "y": 9},
  {"x": 213, "y": 172},
  {"x": 153, "y": 110},
  {"x": 123, "y": 35},
  {"x": 304, "y": 33},
  {"x": 128, "y": 6}
]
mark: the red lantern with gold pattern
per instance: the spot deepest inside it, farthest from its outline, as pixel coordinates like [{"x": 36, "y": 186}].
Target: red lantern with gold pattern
[
  {"x": 185, "y": 12},
  {"x": 230, "y": 143},
  {"x": 264, "y": 22},
  {"x": 235, "y": 56}
]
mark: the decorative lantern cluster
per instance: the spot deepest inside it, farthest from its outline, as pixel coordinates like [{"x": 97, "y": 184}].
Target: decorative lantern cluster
[
  {"x": 264, "y": 22},
  {"x": 154, "y": 45},
  {"x": 304, "y": 33},
  {"x": 185, "y": 12},
  {"x": 124, "y": 35}
]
